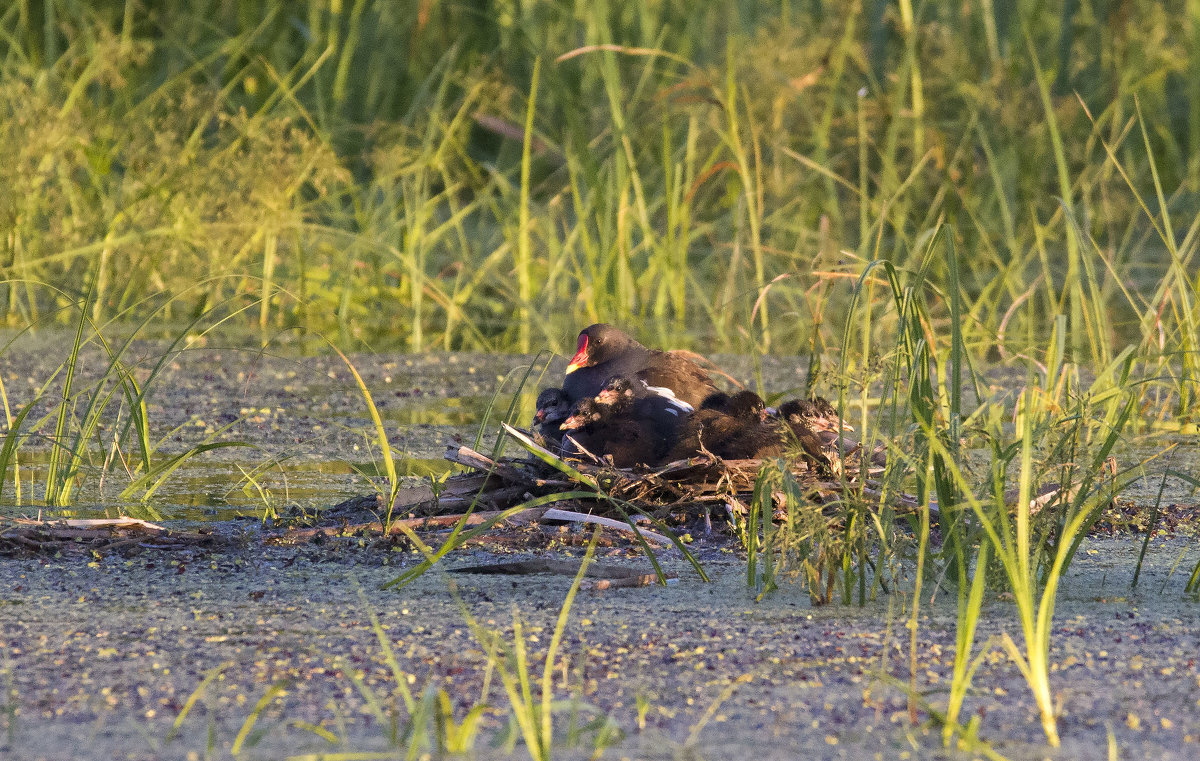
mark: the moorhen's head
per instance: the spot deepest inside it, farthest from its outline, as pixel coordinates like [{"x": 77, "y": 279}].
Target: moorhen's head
[
  {"x": 617, "y": 390},
  {"x": 552, "y": 407},
  {"x": 584, "y": 413},
  {"x": 748, "y": 406},
  {"x": 598, "y": 343},
  {"x": 814, "y": 414},
  {"x": 744, "y": 405}
]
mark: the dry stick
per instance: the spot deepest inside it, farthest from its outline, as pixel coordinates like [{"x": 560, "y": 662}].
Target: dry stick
[
  {"x": 582, "y": 449},
  {"x": 50, "y": 532},
  {"x": 92, "y": 523},
  {"x": 464, "y": 455},
  {"x": 39, "y": 546},
  {"x": 123, "y": 522},
  {"x": 553, "y": 514}
]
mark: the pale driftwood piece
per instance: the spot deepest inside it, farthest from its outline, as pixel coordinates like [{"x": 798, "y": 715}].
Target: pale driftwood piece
[
  {"x": 114, "y": 523},
  {"x": 464, "y": 455},
  {"x": 98, "y": 535},
  {"x": 570, "y": 515},
  {"x": 91, "y": 523},
  {"x": 93, "y": 529}
]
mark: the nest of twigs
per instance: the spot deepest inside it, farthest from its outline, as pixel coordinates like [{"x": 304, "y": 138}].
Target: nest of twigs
[
  {"x": 679, "y": 489},
  {"x": 539, "y": 485}
]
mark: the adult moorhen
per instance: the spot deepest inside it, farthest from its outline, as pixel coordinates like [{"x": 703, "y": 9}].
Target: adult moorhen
[{"x": 604, "y": 351}]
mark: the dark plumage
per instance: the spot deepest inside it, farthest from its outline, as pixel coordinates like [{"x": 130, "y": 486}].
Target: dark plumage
[
  {"x": 732, "y": 428},
  {"x": 820, "y": 432},
  {"x": 552, "y": 409},
  {"x": 810, "y": 433},
  {"x": 604, "y": 351},
  {"x": 632, "y": 397},
  {"x": 744, "y": 405},
  {"x": 816, "y": 414},
  {"x": 609, "y": 429}
]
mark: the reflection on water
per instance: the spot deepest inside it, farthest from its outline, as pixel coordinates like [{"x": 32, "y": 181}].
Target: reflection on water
[
  {"x": 313, "y": 441},
  {"x": 206, "y": 491},
  {"x": 464, "y": 411}
]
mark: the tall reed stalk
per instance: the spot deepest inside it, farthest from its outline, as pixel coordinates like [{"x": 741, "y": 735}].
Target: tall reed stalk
[{"x": 438, "y": 180}]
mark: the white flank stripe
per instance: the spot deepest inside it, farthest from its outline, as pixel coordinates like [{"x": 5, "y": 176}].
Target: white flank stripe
[{"x": 669, "y": 395}]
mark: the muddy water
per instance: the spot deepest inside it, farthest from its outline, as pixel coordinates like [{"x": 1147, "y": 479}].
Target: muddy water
[
  {"x": 310, "y": 440},
  {"x": 99, "y": 656},
  {"x": 309, "y": 437}
]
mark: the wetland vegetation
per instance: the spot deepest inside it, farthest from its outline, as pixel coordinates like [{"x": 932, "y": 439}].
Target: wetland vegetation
[{"x": 892, "y": 201}]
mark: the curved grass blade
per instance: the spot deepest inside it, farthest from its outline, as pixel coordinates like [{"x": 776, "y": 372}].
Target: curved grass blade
[
  {"x": 190, "y": 703},
  {"x": 381, "y": 438},
  {"x": 549, "y": 457},
  {"x": 11, "y": 438},
  {"x": 157, "y": 476}
]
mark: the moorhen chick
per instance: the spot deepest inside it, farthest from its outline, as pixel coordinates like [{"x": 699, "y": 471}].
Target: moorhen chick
[
  {"x": 818, "y": 428},
  {"x": 552, "y": 409},
  {"x": 632, "y": 397},
  {"x": 608, "y": 429},
  {"x": 604, "y": 351},
  {"x": 732, "y": 428},
  {"x": 744, "y": 405}
]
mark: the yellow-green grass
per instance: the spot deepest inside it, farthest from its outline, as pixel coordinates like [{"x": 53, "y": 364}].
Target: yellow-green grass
[
  {"x": 900, "y": 195},
  {"x": 702, "y": 173}
]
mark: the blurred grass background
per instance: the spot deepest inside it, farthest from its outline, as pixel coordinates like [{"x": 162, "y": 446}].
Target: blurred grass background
[{"x": 494, "y": 175}]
